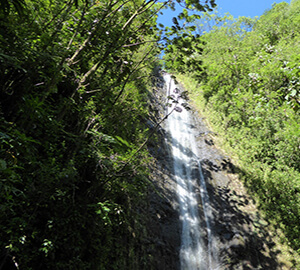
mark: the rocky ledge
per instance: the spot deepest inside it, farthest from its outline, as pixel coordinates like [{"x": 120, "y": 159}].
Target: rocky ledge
[{"x": 241, "y": 232}]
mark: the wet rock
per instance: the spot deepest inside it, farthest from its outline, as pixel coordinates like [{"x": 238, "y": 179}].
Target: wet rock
[
  {"x": 163, "y": 226},
  {"x": 178, "y": 109},
  {"x": 227, "y": 235},
  {"x": 234, "y": 222},
  {"x": 237, "y": 244}
]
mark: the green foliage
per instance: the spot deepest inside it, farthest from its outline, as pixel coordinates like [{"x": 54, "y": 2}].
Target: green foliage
[
  {"x": 74, "y": 90},
  {"x": 74, "y": 82},
  {"x": 250, "y": 92},
  {"x": 6, "y": 6},
  {"x": 180, "y": 53}
]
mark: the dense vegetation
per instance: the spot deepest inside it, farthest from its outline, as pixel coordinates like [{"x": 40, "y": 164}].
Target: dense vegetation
[
  {"x": 245, "y": 76},
  {"x": 75, "y": 81}
]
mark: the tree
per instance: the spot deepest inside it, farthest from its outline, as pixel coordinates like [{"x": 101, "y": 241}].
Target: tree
[{"x": 75, "y": 79}]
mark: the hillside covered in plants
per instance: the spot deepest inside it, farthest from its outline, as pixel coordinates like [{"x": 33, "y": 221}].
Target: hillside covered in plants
[
  {"x": 76, "y": 81},
  {"x": 244, "y": 75}
]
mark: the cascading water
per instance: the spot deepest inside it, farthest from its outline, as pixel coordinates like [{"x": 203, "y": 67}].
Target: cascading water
[{"x": 197, "y": 251}]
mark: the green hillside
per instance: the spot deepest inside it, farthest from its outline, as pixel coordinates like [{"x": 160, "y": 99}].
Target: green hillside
[{"x": 244, "y": 75}]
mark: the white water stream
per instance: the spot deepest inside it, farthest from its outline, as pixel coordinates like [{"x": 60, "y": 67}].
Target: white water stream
[{"x": 197, "y": 251}]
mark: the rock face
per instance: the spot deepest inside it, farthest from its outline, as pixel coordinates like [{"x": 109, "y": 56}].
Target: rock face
[
  {"x": 243, "y": 242},
  {"x": 163, "y": 219}
]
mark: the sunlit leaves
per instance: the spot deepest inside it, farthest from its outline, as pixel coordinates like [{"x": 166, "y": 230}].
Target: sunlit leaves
[
  {"x": 251, "y": 90},
  {"x": 75, "y": 78}
]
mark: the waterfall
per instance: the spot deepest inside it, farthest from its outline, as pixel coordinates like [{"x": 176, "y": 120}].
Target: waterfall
[{"x": 197, "y": 251}]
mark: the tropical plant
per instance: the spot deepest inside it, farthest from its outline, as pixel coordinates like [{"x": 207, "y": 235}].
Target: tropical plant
[{"x": 249, "y": 89}]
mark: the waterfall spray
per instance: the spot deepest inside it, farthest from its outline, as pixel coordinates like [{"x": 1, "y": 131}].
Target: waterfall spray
[{"x": 195, "y": 252}]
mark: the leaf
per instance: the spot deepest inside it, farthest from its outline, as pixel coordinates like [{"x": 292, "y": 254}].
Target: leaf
[
  {"x": 102, "y": 136},
  {"x": 121, "y": 140},
  {"x": 175, "y": 21},
  {"x": 293, "y": 93},
  {"x": 3, "y": 135},
  {"x": 186, "y": 106},
  {"x": 184, "y": 95},
  {"x": 3, "y": 165},
  {"x": 178, "y": 109}
]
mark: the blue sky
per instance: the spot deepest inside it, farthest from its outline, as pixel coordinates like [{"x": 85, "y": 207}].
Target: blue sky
[{"x": 249, "y": 8}]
